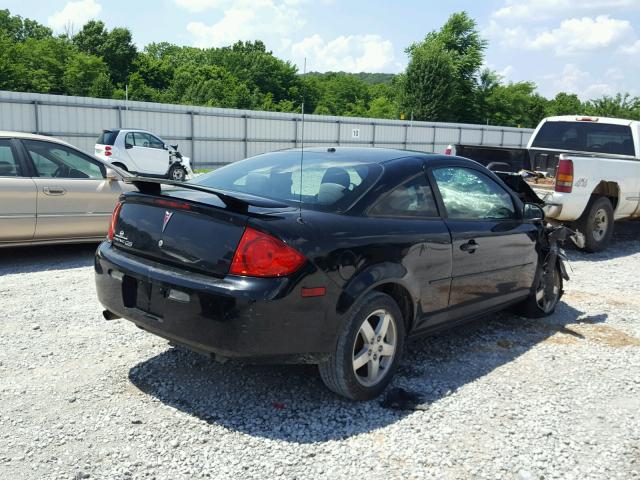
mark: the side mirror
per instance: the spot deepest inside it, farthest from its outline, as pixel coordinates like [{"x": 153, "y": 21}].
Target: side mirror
[
  {"x": 128, "y": 145},
  {"x": 533, "y": 212},
  {"x": 111, "y": 175}
]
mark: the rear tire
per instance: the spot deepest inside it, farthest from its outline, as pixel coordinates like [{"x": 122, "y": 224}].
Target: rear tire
[
  {"x": 537, "y": 304},
  {"x": 177, "y": 173},
  {"x": 367, "y": 351},
  {"x": 596, "y": 224}
]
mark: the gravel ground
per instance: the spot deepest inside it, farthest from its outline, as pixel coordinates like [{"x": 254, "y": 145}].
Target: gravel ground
[{"x": 503, "y": 397}]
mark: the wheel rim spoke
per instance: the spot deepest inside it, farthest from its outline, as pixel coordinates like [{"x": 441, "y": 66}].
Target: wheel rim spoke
[
  {"x": 383, "y": 325},
  {"x": 387, "y": 350},
  {"x": 374, "y": 369},
  {"x": 361, "y": 359},
  {"x": 367, "y": 332}
]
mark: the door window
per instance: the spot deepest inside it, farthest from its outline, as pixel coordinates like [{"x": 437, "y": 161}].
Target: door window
[
  {"x": 58, "y": 161},
  {"x": 9, "y": 166},
  {"x": 146, "y": 140},
  {"x": 411, "y": 199},
  {"x": 471, "y": 195}
]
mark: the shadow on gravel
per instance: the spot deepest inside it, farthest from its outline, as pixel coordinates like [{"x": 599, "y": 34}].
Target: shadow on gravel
[
  {"x": 41, "y": 258},
  {"x": 290, "y": 403}
]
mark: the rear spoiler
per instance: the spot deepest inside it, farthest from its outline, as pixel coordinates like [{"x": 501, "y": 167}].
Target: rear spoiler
[{"x": 236, "y": 201}]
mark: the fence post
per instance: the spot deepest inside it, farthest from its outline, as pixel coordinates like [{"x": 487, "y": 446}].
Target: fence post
[
  {"x": 521, "y": 139},
  {"x": 482, "y": 136},
  {"x": 36, "y": 115},
  {"x": 119, "y": 116},
  {"x": 433, "y": 143},
  {"x": 459, "y": 135},
  {"x": 246, "y": 135},
  {"x": 295, "y": 133},
  {"x": 193, "y": 136},
  {"x": 373, "y": 140},
  {"x": 406, "y": 135},
  {"x": 338, "y": 132}
]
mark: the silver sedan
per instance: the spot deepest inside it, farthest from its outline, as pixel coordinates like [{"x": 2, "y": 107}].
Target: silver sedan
[{"x": 51, "y": 192}]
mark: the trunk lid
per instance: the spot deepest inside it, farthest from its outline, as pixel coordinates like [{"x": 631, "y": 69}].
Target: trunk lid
[{"x": 184, "y": 233}]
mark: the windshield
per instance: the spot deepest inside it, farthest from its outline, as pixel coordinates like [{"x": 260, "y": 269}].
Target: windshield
[
  {"x": 585, "y": 137},
  {"x": 328, "y": 183}
]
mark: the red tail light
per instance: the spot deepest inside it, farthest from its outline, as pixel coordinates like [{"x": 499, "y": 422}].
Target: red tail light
[
  {"x": 107, "y": 148},
  {"x": 448, "y": 150},
  {"x": 564, "y": 176},
  {"x": 261, "y": 255},
  {"x": 107, "y": 153},
  {"x": 114, "y": 219}
]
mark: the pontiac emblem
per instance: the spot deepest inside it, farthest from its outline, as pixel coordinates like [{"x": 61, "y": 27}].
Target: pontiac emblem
[{"x": 165, "y": 221}]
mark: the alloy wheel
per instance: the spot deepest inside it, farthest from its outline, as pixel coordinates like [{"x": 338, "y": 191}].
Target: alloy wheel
[{"x": 374, "y": 347}]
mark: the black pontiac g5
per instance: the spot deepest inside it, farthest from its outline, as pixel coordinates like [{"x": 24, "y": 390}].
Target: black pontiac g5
[{"x": 335, "y": 262}]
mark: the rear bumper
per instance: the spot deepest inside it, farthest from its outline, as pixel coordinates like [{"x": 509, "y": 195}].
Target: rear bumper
[{"x": 257, "y": 318}]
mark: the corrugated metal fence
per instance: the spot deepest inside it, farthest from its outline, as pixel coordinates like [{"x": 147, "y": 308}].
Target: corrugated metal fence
[{"x": 215, "y": 136}]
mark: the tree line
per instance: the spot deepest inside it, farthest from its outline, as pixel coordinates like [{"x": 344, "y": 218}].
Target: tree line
[{"x": 444, "y": 79}]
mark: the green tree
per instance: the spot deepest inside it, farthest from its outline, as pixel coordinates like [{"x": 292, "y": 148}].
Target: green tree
[
  {"x": 18, "y": 29},
  {"x": 116, "y": 48},
  {"x": 440, "y": 82},
  {"x": 619, "y": 106},
  {"x": 515, "y": 105},
  {"x": 564, "y": 104},
  {"x": 84, "y": 74}
]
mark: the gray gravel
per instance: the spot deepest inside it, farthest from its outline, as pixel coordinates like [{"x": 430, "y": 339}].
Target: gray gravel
[{"x": 503, "y": 397}]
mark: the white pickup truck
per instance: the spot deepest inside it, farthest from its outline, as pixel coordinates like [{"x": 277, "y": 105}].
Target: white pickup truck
[{"x": 587, "y": 171}]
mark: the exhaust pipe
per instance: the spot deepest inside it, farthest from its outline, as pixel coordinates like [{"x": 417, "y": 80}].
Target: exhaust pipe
[{"x": 109, "y": 315}]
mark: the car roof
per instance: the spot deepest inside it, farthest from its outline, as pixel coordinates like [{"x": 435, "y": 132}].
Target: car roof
[
  {"x": 365, "y": 154},
  {"x": 592, "y": 119},
  {"x": 32, "y": 136}
]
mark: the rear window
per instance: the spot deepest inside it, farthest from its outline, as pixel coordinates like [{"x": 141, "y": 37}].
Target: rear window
[
  {"x": 585, "y": 137},
  {"x": 327, "y": 183},
  {"x": 108, "y": 137}
]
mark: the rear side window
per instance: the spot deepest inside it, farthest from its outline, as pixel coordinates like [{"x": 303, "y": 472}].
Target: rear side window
[
  {"x": 411, "y": 199},
  {"x": 108, "y": 138},
  {"x": 9, "y": 166},
  {"x": 591, "y": 137}
]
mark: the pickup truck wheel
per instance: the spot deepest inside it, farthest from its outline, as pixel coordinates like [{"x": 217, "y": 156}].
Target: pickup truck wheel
[
  {"x": 597, "y": 224},
  {"x": 177, "y": 173},
  {"x": 542, "y": 301},
  {"x": 368, "y": 350}
]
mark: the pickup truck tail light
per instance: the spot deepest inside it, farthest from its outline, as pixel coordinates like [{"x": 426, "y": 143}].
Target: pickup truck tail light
[{"x": 564, "y": 176}]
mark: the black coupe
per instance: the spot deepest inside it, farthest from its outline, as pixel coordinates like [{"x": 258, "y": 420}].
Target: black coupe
[{"x": 331, "y": 256}]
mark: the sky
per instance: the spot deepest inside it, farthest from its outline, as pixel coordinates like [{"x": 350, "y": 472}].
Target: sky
[{"x": 587, "y": 47}]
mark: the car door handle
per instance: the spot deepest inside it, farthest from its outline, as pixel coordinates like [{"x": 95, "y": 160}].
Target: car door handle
[
  {"x": 54, "y": 191},
  {"x": 469, "y": 247}
]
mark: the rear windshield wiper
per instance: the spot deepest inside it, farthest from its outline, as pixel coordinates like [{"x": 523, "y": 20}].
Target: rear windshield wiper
[{"x": 236, "y": 201}]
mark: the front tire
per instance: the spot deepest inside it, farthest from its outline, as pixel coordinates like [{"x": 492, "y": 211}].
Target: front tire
[
  {"x": 368, "y": 350},
  {"x": 597, "y": 224},
  {"x": 177, "y": 173},
  {"x": 540, "y": 304}
]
